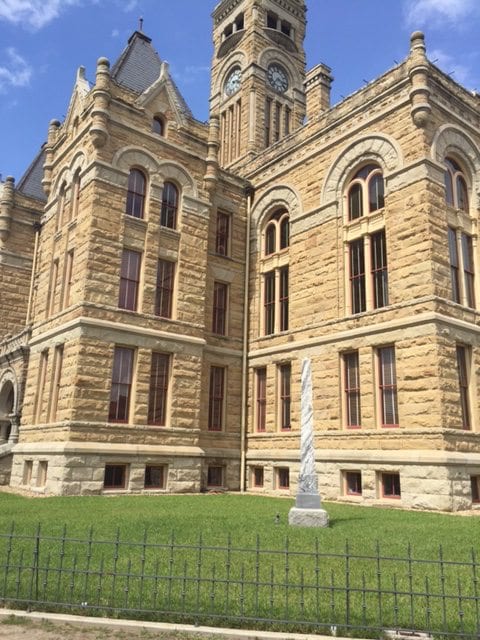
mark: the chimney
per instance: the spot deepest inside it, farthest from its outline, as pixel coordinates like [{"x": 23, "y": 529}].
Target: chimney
[{"x": 318, "y": 83}]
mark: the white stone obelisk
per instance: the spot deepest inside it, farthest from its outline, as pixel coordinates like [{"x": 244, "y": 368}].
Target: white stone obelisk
[{"x": 307, "y": 511}]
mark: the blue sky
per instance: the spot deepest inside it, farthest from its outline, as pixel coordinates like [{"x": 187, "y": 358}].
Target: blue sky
[{"x": 42, "y": 43}]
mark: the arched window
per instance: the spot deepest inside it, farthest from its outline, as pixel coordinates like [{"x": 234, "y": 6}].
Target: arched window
[
  {"x": 75, "y": 195},
  {"x": 168, "y": 215},
  {"x": 277, "y": 232},
  {"x": 456, "y": 190},
  {"x": 366, "y": 192},
  {"x": 136, "y": 194},
  {"x": 62, "y": 194},
  {"x": 158, "y": 125}
]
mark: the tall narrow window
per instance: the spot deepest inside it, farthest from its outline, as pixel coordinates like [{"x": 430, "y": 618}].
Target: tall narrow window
[
  {"x": 268, "y": 121},
  {"x": 168, "y": 214},
  {"x": 468, "y": 269},
  {"x": 220, "y": 302},
  {"x": 62, "y": 196},
  {"x": 463, "y": 359},
  {"x": 454, "y": 265},
  {"x": 222, "y": 234},
  {"x": 357, "y": 276},
  {"x": 53, "y": 287},
  {"x": 261, "y": 399},
  {"x": 456, "y": 190},
  {"x": 285, "y": 397},
  {"x": 56, "y": 380},
  {"x": 352, "y": 389},
  {"x": 120, "y": 394},
  {"x": 68, "y": 279},
  {"x": 129, "y": 280},
  {"x": 164, "y": 289},
  {"x": 136, "y": 191},
  {"x": 216, "y": 398},
  {"x": 283, "y": 299},
  {"x": 269, "y": 302},
  {"x": 388, "y": 386},
  {"x": 158, "y": 391},
  {"x": 76, "y": 188},
  {"x": 379, "y": 270},
  {"x": 42, "y": 378}
]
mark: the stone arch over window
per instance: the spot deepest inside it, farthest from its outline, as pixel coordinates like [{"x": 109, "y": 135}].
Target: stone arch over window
[
  {"x": 453, "y": 143},
  {"x": 377, "y": 149},
  {"x": 171, "y": 172},
  {"x": 274, "y": 199},
  {"x": 129, "y": 157},
  {"x": 8, "y": 403}
]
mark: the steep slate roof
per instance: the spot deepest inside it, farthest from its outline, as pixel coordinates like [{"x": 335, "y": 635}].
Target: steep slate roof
[
  {"x": 139, "y": 66},
  {"x": 31, "y": 182}
]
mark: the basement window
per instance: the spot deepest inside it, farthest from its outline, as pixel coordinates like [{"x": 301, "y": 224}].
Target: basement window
[{"x": 115, "y": 476}]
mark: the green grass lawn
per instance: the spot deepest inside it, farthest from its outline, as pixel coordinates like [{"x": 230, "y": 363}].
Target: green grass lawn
[{"x": 230, "y": 559}]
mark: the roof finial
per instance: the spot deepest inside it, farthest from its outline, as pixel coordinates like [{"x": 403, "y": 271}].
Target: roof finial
[{"x": 140, "y": 24}]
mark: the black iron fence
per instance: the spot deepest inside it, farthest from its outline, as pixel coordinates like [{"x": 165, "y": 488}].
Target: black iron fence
[{"x": 285, "y": 589}]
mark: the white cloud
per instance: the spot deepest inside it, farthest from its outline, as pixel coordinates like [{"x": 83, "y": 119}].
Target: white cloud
[
  {"x": 425, "y": 12},
  {"x": 33, "y": 13},
  {"x": 130, "y": 6},
  {"x": 115, "y": 33},
  {"x": 14, "y": 72},
  {"x": 459, "y": 72}
]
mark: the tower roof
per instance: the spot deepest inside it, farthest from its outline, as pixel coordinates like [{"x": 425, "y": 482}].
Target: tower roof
[
  {"x": 31, "y": 182},
  {"x": 139, "y": 66}
]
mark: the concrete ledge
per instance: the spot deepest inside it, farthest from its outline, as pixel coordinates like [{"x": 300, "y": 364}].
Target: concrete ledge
[{"x": 159, "y": 627}]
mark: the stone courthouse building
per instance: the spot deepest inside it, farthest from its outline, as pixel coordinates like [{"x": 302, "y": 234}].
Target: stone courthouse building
[{"x": 162, "y": 279}]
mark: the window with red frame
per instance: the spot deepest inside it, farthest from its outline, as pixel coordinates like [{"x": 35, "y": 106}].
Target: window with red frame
[
  {"x": 379, "y": 269},
  {"x": 222, "y": 234},
  {"x": 269, "y": 303},
  {"x": 164, "y": 288},
  {"x": 353, "y": 483},
  {"x": 283, "y": 478},
  {"x": 463, "y": 359},
  {"x": 129, "y": 280},
  {"x": 115, "y": 476},
  {"x": 388, "y": 386},
  {"x": 352, "y": 389},
  {"x": 258, "y": 477},
  {"x": 168, "y": 213},
  {"x": 220, "y": 302},
  {"x": 121, "y": 385},
  {"x": 158, "y": 390},
  {"x": 261, "y": 398},
  {"x": 285, "y": 397},
  {"x": 216, "y": 398},
  {"x": 154, "y": 477},
  {"x": 136, "y": 191},
  {"x": 391, "y": 485}
]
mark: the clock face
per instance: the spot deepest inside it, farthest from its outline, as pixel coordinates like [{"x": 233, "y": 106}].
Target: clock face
[
  {"x": 277, "y": 78},
  {"x": 233, "y": 82}
]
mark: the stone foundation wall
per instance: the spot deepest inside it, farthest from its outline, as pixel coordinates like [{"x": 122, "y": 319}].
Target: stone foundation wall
[
  {"x": 432, "y": 485},
  {"x": 83, "y": 474}
]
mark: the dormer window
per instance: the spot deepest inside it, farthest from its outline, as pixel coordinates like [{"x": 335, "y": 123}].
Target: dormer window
[{"x": 158, "y": 125}]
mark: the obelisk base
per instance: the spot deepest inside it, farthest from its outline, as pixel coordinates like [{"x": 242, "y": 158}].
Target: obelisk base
[{"x": 307, "y": 517}]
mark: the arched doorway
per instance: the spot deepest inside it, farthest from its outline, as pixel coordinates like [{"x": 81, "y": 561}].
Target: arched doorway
[{"x": 7, "y": 401}]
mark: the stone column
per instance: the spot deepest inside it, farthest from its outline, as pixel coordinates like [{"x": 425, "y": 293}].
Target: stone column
[
  {"x": 307, "y": 511},
  {"x": 15, "y": 422}
]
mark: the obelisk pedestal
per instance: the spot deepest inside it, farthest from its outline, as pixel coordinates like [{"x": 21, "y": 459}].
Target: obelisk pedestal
[{"x": 307, "y": 511}]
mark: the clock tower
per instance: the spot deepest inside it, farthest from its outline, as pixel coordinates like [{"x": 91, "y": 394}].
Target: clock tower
[{"x": 258, "y": 75}]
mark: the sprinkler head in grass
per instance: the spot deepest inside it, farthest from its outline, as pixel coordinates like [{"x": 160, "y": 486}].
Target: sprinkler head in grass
[{"x": 277, "y": 519}]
